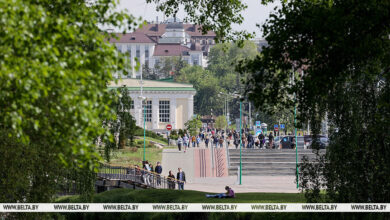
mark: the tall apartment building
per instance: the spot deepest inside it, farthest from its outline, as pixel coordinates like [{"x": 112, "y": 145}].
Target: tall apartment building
[{"x": 153, "y": 42}]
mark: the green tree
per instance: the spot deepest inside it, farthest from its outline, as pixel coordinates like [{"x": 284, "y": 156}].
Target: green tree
[
  {"x": 149, "y": 73},
  {"x": 223, "y": 59},
  {"x": 193, "y": 125},
  {"x": 207, "y": 89},
  {"x": 55, "y": 64},
  {"x": 220, "y": 122},
  {"x": 168, "y": 67},
  {"x": 124, "y": 124},
  {"x": 339, "y": 54}
]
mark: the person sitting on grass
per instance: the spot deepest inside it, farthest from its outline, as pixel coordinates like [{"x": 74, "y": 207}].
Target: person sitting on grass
[{"x": 229, "y": 194}]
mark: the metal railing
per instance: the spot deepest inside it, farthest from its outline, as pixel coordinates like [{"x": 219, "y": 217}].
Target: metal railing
[{"x": 137, "y": 175}]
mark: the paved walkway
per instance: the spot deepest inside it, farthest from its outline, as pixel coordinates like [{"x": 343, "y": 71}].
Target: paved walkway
[
  {"x": 276, "y": 184},
  {"x": 172, "y": 159}
]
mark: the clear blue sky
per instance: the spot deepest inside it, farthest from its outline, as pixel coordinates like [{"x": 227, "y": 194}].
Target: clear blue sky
[{"x": 256, "y": 13}]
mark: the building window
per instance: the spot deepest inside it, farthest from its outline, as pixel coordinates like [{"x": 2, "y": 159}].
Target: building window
[
  {"x": 137, "y": 51},
  {"x": 195, "y": 59},
  {"x": 146, "y": 52},
  {"x": 164, "y": 111},
  {"x": 129, "y": 50},
  {"x": 132, "y": 104},
  {"x": 210, "y": 41},
  {"x": 147, "y": 112}
]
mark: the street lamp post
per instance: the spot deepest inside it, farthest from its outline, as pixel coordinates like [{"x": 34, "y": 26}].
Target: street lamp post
[
  {"x": 144, "y": 113},
  {"x": 144, "y": 130},
  {"x": 237, "y": 96},
  {"x": 240, "y": 142}
]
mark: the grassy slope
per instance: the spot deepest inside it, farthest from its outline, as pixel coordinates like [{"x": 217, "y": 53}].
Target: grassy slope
[
  {"x": 155, "y": 140},
  {"x": 126, "y": 157}
]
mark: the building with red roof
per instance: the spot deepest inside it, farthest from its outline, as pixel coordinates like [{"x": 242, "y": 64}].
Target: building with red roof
[{"x": 154, "y": 42}]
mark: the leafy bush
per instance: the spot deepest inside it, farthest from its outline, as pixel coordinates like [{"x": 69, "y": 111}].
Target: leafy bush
[
  {"x": 173, "y": 135},
  {"x": 139, "y": 143}
]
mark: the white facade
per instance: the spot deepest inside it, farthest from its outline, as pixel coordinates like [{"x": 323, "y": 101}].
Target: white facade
[
  {"x": 165, "y": 103},
  {"x": 172, "y": 36},
  {"x": 142, "y": 51},
  {"x": 144, "y": 54},
  {"x": 185, "y": 41}
]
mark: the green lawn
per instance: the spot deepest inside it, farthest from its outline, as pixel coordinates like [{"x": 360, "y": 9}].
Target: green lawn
[
  {"x": 185, "y": 196},
  {"x": 175, "y": 196}
]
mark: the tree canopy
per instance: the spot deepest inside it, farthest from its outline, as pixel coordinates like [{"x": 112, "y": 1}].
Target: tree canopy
[
  {"x": 55, "y": 63},
  {"x": 193, "y": 125},
  {"x": 334, "y": 56},
  {"x": 219, "y": 77}
]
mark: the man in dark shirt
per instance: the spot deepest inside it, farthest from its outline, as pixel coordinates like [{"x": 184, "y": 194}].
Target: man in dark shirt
[
  {"x": 158, "y": 170},
  {"x": 271, "y": 140},
  {"x": 181, "y": 179}
]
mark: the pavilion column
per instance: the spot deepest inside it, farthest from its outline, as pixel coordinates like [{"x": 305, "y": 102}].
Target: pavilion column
[
  {"x": 138, "y": 111},
  {"x": 190, "y": 107},
  {"x": 155, "y": 113},
  {"x": 172, "y": 110}
]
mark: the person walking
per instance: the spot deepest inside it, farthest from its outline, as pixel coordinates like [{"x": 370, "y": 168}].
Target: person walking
[
  {"x": 197, "y": 141},
  {"x": 215, "y": 140},
  {"x": 171, "y": 180},
  {"x": 158, "y": 170},
  {"x": 250, "y": 140},
  {"x": 181, "y": 179},
  {"x": 261, "y": 138},
  {"x": 193, "y": 141},
  {"x": 186, "y": 142},
  {"x": 243, "y": 140},
  {"x": 179, "y": 143},
  {"x": 206, "y": 141},
  {"x": 271, "y": 140},
  {"x": 146, "y": 170},
  {"x": 236, "y": 139},
  {"x": 152, "y": 177},
  {"x": 220, "y": 141},
  {"x": 229, "y": 139}
]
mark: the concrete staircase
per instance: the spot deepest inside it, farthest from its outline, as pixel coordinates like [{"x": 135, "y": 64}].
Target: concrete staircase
[{"x": 267, "y": 162}]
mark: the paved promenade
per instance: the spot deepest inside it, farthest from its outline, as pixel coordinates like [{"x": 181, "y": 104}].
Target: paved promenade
[
  {"x": 276, "y": 184},
  {"x": 172, "y": 159}
]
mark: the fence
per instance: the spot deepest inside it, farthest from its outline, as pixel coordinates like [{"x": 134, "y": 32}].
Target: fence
[{"x": 137, "y": 175}]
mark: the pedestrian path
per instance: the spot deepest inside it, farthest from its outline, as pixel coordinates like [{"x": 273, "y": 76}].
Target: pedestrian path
[{"x": 172, "y": 159}]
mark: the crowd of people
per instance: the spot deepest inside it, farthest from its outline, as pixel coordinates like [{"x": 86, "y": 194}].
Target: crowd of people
[
  {"x": 152, "y": 176},
  {"x": 224, "y": 138}
]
